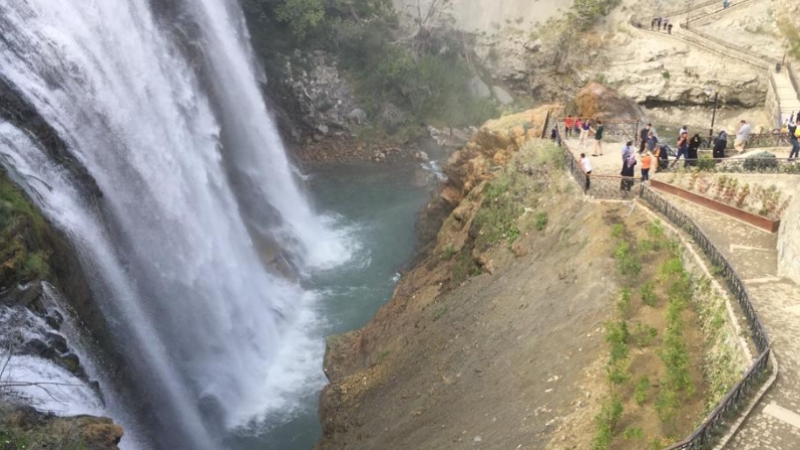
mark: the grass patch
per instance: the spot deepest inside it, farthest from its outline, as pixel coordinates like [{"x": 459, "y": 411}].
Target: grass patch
[
  {"x": 606, "y": 421},
  {"x": 541, "y": 221},
  {"x": 439, "y": 313}
]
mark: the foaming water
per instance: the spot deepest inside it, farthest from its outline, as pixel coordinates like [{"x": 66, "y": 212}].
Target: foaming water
[{"x": 187, "y": 171}]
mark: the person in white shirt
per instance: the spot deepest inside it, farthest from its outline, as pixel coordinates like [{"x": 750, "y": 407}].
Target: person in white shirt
[
  {"x": 586, "y": 165},
  {"x": 741, "y": 136}
]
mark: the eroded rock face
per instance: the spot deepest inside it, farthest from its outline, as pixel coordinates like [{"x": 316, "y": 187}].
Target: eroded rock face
[
  {"x": 599, "y": 101},
  {"x": 653, "y": 68},
  {"x": 789, "y": 242}
]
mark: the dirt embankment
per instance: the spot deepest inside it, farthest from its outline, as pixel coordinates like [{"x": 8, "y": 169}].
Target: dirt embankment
[{"x": 487, "y": 340}]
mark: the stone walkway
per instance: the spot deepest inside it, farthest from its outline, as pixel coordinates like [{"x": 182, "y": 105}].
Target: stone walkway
[{"x": 774, "y": 424}]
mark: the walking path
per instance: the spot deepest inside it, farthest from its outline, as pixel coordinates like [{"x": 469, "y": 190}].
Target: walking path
[
  {"x": 786, "y": 94},
  {"x": 774, "y": 424}
]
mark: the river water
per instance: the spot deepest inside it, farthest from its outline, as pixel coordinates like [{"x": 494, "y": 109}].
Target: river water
[{"x": 376, "y": 206}]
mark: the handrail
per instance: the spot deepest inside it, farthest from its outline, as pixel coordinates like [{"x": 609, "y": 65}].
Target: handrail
[{"x": 714, "y": 422}]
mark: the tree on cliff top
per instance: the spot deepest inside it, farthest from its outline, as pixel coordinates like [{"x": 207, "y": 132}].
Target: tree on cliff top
[{"x": 586, "y": 13}]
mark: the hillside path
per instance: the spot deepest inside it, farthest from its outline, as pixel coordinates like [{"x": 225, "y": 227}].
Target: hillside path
[
  {"x": 786, "y": 92},
  {"x": 774, "y": 424}
]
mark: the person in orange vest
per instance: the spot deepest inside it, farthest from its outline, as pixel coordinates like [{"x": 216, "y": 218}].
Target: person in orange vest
[{"x": 647, "y": 159}]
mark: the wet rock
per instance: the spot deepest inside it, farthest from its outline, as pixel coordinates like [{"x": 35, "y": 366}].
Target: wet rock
[
  {"x": 502, "y": 95},
  {"x": 57, "y": 342}
]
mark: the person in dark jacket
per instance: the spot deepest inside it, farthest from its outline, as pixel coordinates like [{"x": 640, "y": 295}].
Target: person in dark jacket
[
  {"x": 720, "y": 142},
  {"x": 694, "y": 145},
  {"x": 792, "y": 129},
  {"x": 644, "y": 135}
]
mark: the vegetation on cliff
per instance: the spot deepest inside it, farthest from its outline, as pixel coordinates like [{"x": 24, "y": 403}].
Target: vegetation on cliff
[
  {"x": 24, "y": 237},
  {"x": 423, "y": 70}
]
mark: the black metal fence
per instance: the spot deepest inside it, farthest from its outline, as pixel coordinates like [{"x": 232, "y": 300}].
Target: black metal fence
[
  {"x": 754, "y": 164},
  {"x": 715, "y": 423}
]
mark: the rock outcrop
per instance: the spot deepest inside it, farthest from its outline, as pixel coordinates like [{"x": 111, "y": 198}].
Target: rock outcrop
[
  {"x": 598, "y": 101},
  {"x": 25, "y": 427}
]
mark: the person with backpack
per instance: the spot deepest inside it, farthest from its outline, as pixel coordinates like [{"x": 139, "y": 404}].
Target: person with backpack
[
  {"x": 669, "y": 28},
  {"x": 794, "y": 135}
]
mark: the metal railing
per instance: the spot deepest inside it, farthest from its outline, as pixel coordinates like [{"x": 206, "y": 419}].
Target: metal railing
[
  {"x": 716, "y": 421},
  {"x": 736, "y": 165}
]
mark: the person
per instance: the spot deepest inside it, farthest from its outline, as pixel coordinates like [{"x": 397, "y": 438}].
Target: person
[
  {"x": 554, "y": 134},
  {"x": 663, "y": 157},
  {"x": 720, "y": 142},
  {"x": 644, "y": 135},
  {"x": 694, "y": 145},
  {"x": 658, "y": 22},
  {"x": 653, "y": 24},
  {"x": 626, "y": 151},
  {"x": 794, "y": 134},
  {"x": 647, "y": 160},
  {"x": 627, "y": 170},
  {"x": 725, "y": 4},
  {"x": 585, "y": 127},
  {"x": 598, "y": 138},
  {"x": 683, "y": 147},
  {"x": 684, "y": 129},
  {"x": 669, "y": 28},
  {"x": 569, "y": 122},
  {"x": 653, "y": 148},
  {"x": 586, "y": 165},
  {"x": 741, "y": 136},
  {"x": 666, "y": 23}
]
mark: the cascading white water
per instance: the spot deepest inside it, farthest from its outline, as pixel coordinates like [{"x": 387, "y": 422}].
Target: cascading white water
[{"x": 208, "y": 331}]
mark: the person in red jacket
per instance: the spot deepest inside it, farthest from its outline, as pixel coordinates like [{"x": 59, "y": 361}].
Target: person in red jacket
[{"x": 569, "y": 122}]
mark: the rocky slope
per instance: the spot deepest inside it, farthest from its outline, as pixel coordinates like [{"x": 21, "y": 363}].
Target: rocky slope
[{"x": 513, "y": 276}]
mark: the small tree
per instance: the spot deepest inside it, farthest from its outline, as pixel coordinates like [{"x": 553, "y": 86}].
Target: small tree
[{"x": 301, "y": 15}]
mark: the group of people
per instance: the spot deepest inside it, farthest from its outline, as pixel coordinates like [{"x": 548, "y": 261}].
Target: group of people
[
  {"x": 583, "y": 129},
  {"x": 659, "y": 23}
]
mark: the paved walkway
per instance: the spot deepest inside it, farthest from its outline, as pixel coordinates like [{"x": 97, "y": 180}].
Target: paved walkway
[{"x": 774, "y": 424}]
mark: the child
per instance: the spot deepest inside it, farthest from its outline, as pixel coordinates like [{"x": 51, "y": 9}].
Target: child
[{"x": 646, "y": 161}]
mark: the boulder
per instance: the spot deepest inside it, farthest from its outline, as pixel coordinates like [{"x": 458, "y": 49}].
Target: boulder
[
  {"x": 357, "y": 116},
  {"x": 502, "y": 95},
  {"x": 478, "y": 89},
  {"x": 598, "y": 101}
]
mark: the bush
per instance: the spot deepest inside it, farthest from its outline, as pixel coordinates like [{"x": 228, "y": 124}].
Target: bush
[
  {"x": 541, "y": 221},
  {"x": 627, "y": 262},
  {"x": 606, "y": 420},
  {"x": 762, "y": 161},
  {"x": 648, "y": 294}
]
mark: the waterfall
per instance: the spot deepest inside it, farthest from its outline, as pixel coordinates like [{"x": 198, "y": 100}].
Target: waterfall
[{"x": 193, "y": 174}]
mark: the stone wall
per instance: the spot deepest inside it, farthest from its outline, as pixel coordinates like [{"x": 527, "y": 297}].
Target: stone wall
[{"x": 789, "y": 242}]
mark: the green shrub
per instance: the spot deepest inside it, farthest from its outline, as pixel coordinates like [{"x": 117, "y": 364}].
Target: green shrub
[
  {"x": 606, "y": 421},
  {"x": 624, "y": 302},
  {"x": 541, "y": 221},
  {"x": 627, "y": 262},
  {"x": 617, "y": 231},
  {"x": 648, "y": 294},
  {"x": 640, "y": 393},
  {"x": 633, "y": 433}
]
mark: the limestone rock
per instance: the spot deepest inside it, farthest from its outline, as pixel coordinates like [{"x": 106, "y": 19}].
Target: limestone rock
[{"x": 598, "y": 101}]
